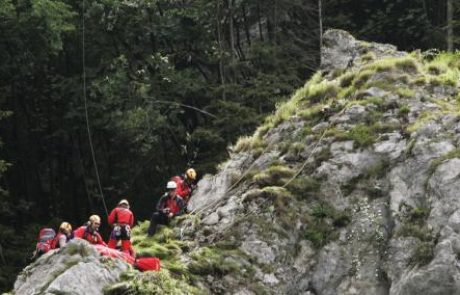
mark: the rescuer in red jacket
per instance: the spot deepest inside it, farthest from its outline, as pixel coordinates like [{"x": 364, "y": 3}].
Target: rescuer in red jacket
[
  {"x": 185, "y": 184},
  {"x": 90, "y": 232},
  {"x": 63, "y": 236},
  {"x": 122, "y": 220},
  {"x": 169, "y": 205}
]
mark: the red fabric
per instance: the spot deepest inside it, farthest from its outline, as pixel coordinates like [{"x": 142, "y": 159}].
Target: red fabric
[
  {"x": 45, "y": 240},
  {"x": 148, "y": 263},
  {"x": 172, "y": 205},
  {"x": 55, "y": 242},
  {"x": 46, "y": 234},
  {"x": 94, "y": 238},
  {"x": 183, "y": 189},
  {"x": 126, "y": 246},
  {"x": 112, "y": 243},
  {"x": 105, "y": 251},
  {"x": 121, "y": 215}
]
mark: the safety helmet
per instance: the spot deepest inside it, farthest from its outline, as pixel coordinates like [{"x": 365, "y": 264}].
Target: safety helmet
[
  {"x": 190, "y": 174},
  {"x": 171, "y": 185},
  {"x": 65, "y": 226},
  {"x": 95, "y": 219},
  {"x": 124, "y": 201}
]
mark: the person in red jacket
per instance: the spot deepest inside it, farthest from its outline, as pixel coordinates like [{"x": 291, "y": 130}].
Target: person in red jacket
[
  {"x": 63, "y": 237},
  {"x": 122, "y": 220},
  {"x": 169, "y": 205},
  {"x": 185, "y": 184},
  {"x": 90, "y": 232}
]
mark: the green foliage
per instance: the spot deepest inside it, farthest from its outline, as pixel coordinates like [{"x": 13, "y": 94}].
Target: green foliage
[
  {"x": 415, "y": 230},
  {"x": 275, "y": 175},
  {"x": 347, "y": 79},
  {"x": 248, "y": 143},
  {"x": 161, "y": 282},
  {"x": 423, "y": 254},
  {"x": 414, "y": 223},
  {"x": 405, "y": 92},
  {"x": 362, "y": 77},
  {"x": 321, "y": 91},
  {"x": 164, "y": 245},
  {"x": 304, "y": 186},
  {"x": 405, "y": 64},
  {"x": 404, "y": 110},
  {"x": 326, "y": 222},
  {"x": 320, "y": 235},
  {"x": 438, "y": 161},
  {"x": 363, "y": 135},
  {"x": 443, "y": 69},
  {"x": 212, "y": 261}
]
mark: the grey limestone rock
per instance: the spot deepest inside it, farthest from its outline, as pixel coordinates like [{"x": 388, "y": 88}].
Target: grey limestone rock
[{"x": 76, "y": 269}]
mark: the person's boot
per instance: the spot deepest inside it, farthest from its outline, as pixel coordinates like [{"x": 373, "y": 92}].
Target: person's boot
[
  {"x": 112, "y": 243},
  {"x": 152, "y": 228}
]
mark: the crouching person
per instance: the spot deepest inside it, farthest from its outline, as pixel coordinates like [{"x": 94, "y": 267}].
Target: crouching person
[
  {"x": 64, "y": 235},
  {"x": 122, "y": 220},
  {"x": 168, "y": 206},
  {"x": 90, "y": 231}
]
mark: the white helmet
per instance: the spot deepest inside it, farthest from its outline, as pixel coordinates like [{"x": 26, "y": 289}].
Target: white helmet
[
  {"x": 171, "y": 185},
  {"x": 124, "y": 201}
]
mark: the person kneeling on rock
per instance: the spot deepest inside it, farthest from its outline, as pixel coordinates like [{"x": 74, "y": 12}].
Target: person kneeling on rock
[
  {"x": 90, "y": 232},
  {"x": 168, "y": 206},
  {"x": 122, "y": 220},
  {"x": 63, "y": 237}
]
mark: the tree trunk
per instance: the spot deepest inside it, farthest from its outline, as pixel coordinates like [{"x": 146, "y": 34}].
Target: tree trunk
[
  {"x": 450, "y": 29},
  {"x": 320, "y": 19},
  {"x": 219, "y": 41},
  {"x": 260, "y": 24},
  {"x": 246, "y": 25}
]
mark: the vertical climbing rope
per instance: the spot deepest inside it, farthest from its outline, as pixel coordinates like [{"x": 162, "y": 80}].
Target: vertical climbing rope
[{"x": 93, "y": 155}]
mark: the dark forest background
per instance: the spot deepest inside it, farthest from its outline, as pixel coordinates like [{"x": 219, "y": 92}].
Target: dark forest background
[{"x": 170, "y": 84}]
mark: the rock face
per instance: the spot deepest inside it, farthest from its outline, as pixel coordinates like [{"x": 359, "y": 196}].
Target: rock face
[
  {"x": 351, "y": 187},
  {"x": 75, "y": 269},
  {"x": 374, "y": 208}
]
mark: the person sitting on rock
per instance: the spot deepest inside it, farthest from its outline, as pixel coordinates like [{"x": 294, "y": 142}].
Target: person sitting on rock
[
  {"x": 64, "y": 235},
  {"x": 185, "y": 184},
  {"x": 122, "y": 220},
  {"x": 169, "y": 205},
  {"x": 90, "y": 232}
]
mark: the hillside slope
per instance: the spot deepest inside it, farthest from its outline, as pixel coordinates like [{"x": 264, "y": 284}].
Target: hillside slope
[{"x": 349, "y": 188}]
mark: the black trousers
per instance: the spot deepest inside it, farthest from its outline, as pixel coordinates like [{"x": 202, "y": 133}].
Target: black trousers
[{"x": 157, "y": 218}]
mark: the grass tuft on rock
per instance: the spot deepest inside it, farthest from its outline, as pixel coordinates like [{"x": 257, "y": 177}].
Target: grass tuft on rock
[
  {"x": 326, "y": 222},
  {"x": 211, "y": 261},
  {"x": 275, "y": 175},
  {"x": 147, "y": 283}
]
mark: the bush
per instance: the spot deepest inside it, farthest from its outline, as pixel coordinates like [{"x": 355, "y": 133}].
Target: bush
[
  {"x": 319, "y": 92},
  {"x": 423, "y": 254},
  {"x": 320, "y": 234},
  {"x": 363, "y": 135},
  {"x": 275, "y": 175},
  {"x": 404, "y": 110},
  {"x": 248, "y": 143},
  {"x": 212, "y": 261},
  {"x": 304, "y": 186}
]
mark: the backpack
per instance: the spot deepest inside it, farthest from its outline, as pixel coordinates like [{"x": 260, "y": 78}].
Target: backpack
[
  {"x": 45, "y": 239},
  {"x": 147, "y": 263}
]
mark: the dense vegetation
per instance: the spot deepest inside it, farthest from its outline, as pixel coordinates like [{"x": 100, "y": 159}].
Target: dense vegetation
[{"x": 169, "y": 84}]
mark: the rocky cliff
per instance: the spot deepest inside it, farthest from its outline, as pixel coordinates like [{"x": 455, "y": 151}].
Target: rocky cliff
[{"x": 349, "y": 188}]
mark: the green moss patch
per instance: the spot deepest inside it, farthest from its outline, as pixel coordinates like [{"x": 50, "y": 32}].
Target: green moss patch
[
  {"x": 214, "y": 261},
  {"x": 326, "y": 221}
]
